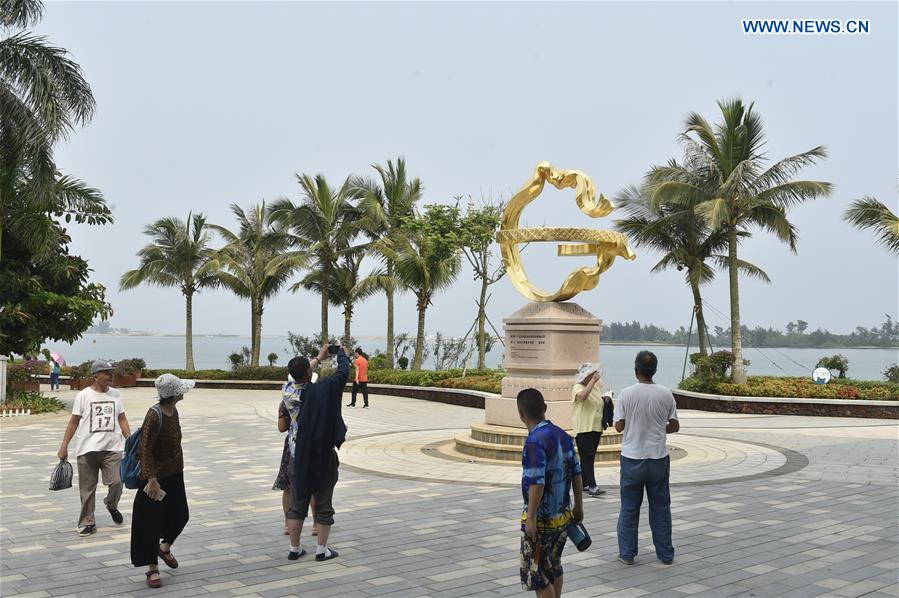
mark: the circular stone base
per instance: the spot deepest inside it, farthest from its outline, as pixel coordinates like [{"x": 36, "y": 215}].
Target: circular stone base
[
  {"x": 428, "y": 456},
  {"x": 504, "y": 443}
]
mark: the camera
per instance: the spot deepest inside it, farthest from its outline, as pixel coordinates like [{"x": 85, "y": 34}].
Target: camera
[{"x": 333, "y": 349}]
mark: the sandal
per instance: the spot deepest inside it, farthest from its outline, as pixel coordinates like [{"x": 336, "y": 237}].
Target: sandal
[
  {"x": 169, "y": 558},
  {"x": 154, "y": 583}
]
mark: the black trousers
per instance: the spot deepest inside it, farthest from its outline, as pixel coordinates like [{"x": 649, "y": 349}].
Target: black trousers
[
  {"x": 356, "y": 387},
  {"x": 155, "y": 521},
  {"x": 587, "y": 442}
]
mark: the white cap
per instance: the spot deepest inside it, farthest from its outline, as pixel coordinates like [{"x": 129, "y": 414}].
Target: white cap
[
  {"x": 585, "y": 370},
  {"x": 170, "y": 385}
]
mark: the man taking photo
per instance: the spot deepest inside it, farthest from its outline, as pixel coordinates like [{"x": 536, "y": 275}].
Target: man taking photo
[{"x": 320, "y": 432}]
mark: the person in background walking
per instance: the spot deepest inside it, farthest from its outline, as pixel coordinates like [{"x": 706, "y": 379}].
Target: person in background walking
[
  {"x": 587, "y": 421},
  {"x": 645, "y": 413},
  {"x": 98, "y": 417},
  {"x": 55, "y": 370},
  {"x": 361, "y": 381},
  {"x": 160, "y": 504}
]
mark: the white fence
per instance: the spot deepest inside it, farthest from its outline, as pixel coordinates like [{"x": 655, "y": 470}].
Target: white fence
[{"x": 14, "y": 412}]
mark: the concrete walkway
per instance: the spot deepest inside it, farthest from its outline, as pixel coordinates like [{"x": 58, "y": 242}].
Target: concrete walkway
[{"x": 763, "y": 506}]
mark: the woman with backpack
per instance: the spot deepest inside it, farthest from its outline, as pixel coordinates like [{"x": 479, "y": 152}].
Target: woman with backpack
[{"x": 160, "y": 504}]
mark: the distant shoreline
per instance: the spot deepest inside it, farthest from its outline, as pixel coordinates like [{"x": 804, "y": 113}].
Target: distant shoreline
[{"x": 384, "y": 339}]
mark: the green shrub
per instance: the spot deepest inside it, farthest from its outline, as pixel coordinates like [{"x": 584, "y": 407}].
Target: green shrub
[
  {"x": 802, "y": 388},
  {"x": 714, "y": 367},
  {"x": 18, "y": 372},
  {"x": 891, "y": 374},
  {"x": 81, "y": 371},
  {"x": 837, "y": 363},
  {"x": 379, "y": 362},
  {"x": 128, "y": 367},
  {"x": 38, "y": 403},
  {"x": 403, "y": 362},
  {"x": 240, "y": 373},
  {"x": 483, "y": 380},
  {"x": 489, "y": 383}
]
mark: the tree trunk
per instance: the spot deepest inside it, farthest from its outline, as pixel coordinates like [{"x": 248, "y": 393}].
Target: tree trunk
[
  {"x": 256, "y": 325},
  {"x": 700, "y": 318},
  {"x": 482, "y": 317},
  {"x": 347, "y": 319},
  {"x": 189, "y": 332},
  {"x": 325, "y": 298},
  {"x": 420, "y": 336},
  {"x": 390, "y": 336},
  {"x": 739, "y": 371}
]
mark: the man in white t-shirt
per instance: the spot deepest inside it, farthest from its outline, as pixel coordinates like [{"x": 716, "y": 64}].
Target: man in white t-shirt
[
  {"x": 100, "y": 428},
  {"x": 645, "y": 413}
]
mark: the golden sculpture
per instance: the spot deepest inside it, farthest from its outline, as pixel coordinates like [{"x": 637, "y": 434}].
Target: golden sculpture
[{"x": 606, "y": 245}]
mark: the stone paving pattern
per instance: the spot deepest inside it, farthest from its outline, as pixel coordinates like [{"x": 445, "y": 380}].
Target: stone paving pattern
[{"x": 762, "y": 505}]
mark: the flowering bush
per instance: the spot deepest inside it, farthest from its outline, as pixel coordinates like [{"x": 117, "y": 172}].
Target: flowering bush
[{"x": 801, "y": 388}]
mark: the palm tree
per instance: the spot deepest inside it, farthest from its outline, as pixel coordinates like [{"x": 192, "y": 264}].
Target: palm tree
[
  {"x": 255, "y": 263},
  {"x": 869, "y": 213},
  {"x": 684, "y": 240},
  {"x": 428, "y": 260},
  {"x": 323, "y": 224},
  {"x": 178, "y": 256},
  {"x": 724, "y": 168},
  {"x": 43, "y": 97},
  {"x": 386, "y": 206},
  {"x": 346, "y": 290}
]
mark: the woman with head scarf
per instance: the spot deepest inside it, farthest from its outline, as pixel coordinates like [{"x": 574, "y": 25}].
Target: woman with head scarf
[{"x": 160, "y": 508}]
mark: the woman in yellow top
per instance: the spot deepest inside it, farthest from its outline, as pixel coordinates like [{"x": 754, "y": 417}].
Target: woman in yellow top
[{"x": 586, "y": 419}]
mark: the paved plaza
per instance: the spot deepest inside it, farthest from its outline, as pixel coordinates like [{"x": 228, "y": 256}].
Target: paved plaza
[{"x": 762, "y": 505}]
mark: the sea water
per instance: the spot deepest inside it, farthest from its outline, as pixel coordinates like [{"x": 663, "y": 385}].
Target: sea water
[{"x": 211, "y": 352}]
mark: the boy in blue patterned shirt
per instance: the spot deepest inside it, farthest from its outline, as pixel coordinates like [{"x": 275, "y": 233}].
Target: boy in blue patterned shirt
[{"x": 550, "y": 468}]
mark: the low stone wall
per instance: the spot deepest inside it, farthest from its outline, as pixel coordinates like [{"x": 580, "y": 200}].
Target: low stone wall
[
  {"x": 785, "y": 406},
  {"x": 452, "y": 396}
]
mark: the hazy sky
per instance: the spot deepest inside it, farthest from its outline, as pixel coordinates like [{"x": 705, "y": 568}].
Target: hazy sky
[{"x": 201, "y": 105}]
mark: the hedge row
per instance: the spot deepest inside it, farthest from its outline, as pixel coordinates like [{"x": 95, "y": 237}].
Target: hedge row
[
  {"x": 801, "y": 388},
  {"x": 482, "y": 380}
]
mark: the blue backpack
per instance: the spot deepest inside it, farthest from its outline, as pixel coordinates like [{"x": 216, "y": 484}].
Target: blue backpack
[{"x": 129, "y": 468}]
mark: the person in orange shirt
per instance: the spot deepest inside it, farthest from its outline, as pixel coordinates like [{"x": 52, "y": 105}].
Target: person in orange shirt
[{"x": 361, "y": 381}]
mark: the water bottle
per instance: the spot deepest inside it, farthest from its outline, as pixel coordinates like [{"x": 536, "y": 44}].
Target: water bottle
[{"x": 578, "y": 535}]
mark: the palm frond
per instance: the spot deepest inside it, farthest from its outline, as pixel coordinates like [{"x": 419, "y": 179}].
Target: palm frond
[
  {"x": 784, "y": 170},
  {"x": 20, "y": 13},
  {"x": 774, "y": 219},
  {"x": 716, "y": 212},
  {"x": 743, "y": 266},
  {"x": 793, "y": 193},
  {"x": 869, "y": 213}
]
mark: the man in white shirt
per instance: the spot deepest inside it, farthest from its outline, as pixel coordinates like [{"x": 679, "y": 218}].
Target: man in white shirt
[
  {"x": 645, "y": 413},
  {"x": 100, "y": 428}
]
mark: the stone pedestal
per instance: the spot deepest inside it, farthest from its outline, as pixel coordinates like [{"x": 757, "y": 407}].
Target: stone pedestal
[{"x": 545, "y": 345}]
